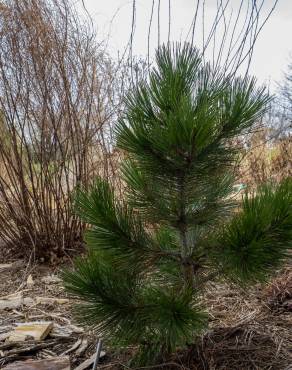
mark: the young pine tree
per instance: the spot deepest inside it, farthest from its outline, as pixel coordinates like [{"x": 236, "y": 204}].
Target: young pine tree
[{"x": 178, "y": 226}]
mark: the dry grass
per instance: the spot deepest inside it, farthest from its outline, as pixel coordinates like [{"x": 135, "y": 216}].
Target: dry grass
[
  {"x": 278, "y": 294},
  {"x": 266, "y": 159},
  {"x": 245, "y": 332}
]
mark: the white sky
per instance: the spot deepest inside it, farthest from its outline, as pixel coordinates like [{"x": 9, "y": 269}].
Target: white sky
[{"x": 272, "y": 51}]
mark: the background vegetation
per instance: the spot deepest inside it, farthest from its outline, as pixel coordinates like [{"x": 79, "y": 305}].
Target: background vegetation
[{"x": 61, "y": 94}]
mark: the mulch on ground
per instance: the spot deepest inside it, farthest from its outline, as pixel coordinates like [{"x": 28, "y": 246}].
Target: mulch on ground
[
  {"x": 249, "y": 330},
  {"x": 50, "y": 303}
]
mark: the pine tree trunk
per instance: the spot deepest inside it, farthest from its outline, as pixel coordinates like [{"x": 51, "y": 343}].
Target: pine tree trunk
[{"x": 182, "y": 226}]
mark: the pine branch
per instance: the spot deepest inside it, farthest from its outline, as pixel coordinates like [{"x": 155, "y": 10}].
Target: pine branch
[
  {"x": 258, "y": 239},
  {"x": 117, "y": 228},
  {"x": 123, "y": 309}
]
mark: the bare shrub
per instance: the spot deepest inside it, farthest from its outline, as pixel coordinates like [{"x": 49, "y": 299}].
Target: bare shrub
[{"x": 57, "y": 102}]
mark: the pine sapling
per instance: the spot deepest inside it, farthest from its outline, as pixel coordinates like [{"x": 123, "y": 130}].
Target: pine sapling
[{"x": 178, "y": 226}]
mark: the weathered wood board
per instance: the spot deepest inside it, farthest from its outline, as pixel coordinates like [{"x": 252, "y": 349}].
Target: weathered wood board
[{"x": 36, "y": 331}]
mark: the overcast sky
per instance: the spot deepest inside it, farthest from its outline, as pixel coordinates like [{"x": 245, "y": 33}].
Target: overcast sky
[{"x": 272, "y": 50}]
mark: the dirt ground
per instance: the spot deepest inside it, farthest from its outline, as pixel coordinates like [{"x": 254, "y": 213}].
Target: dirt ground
[{"x": 248, "y": 329}]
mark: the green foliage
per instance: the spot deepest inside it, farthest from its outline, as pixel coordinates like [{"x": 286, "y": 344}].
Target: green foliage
[
  {"x": 150, "y": 253},
  {"x": 257, "y": 239},
  {"x": 125, "y": 310},
  {"x": 115, "y": 227}
]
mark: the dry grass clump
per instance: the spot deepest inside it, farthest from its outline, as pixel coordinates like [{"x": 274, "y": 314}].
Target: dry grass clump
[
  {"x": 278, "y": 294},
  {"x": 242, "y": 348},
  {"x": 266, "y": 159},
  {"x": 244, "y": 333}
]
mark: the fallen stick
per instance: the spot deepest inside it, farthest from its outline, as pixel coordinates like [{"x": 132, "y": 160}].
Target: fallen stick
[
  {"x": 84, "y": 365},
  {"x": 82, "y": 347},
  {"x": 71, "y": 349},
  {"x": 31, "y": 348},
  {"x": 58, "y": 363},
  {"x": 31, "y": 344},
  {"x": 54, "y": 316}
]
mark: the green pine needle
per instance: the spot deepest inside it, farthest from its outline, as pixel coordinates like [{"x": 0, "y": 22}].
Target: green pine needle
[{"x": 257, "y": 240}]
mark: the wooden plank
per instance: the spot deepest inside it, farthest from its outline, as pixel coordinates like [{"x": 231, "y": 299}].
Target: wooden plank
[
  {"x": 33, "y": 330},
  {"x": 58, "y": 363}
]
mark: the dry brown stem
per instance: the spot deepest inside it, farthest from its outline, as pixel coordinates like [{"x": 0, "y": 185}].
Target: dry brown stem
[{"x": 58, "y": 101}]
